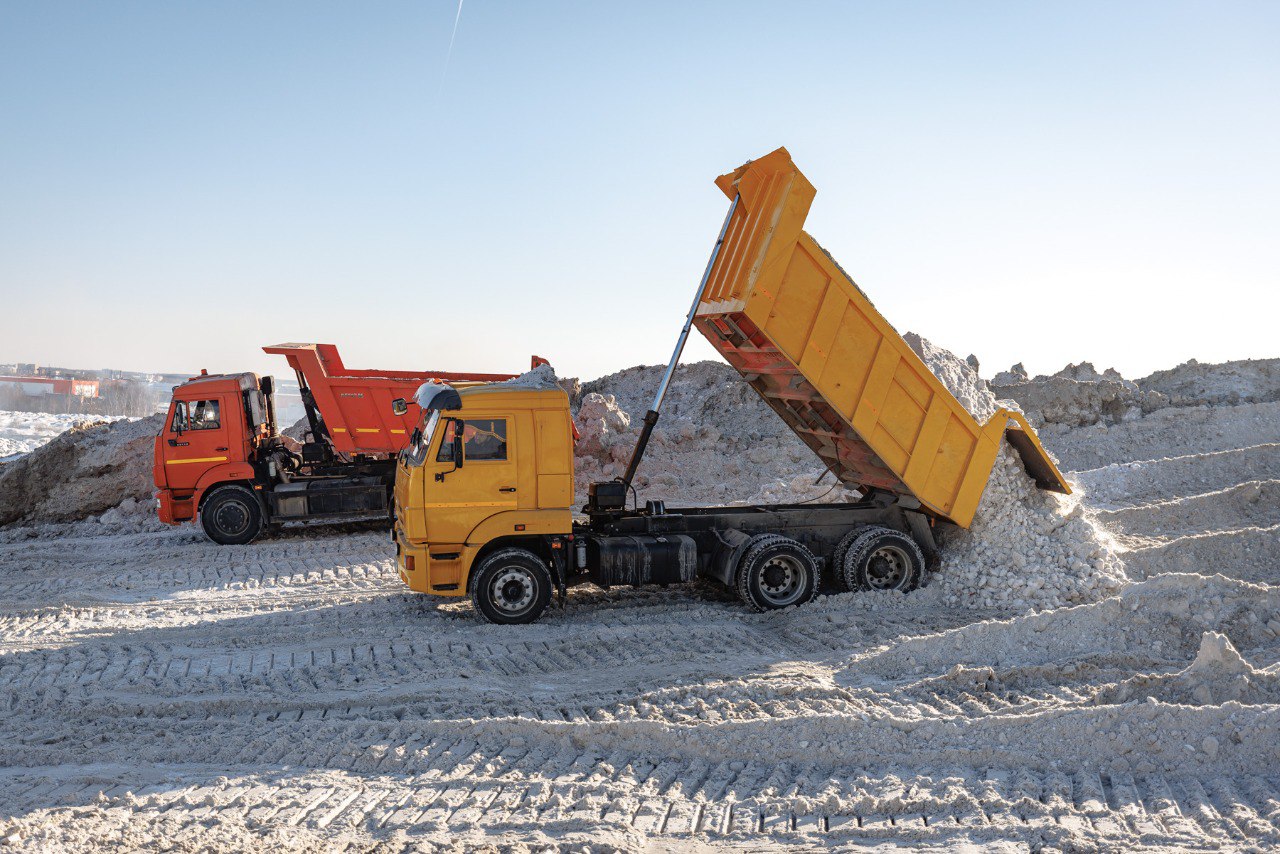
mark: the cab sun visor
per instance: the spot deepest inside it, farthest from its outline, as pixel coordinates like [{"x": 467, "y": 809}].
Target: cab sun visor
[{"x": 440, "y": 396}]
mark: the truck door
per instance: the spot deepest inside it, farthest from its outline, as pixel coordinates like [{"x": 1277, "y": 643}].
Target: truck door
[
  {"x": 196, "y": 439},
  {"x": 484, "y": 485}
]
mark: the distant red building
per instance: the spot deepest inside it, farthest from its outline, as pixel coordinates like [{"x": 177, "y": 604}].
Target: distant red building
[{"x": 41, "y": 386}]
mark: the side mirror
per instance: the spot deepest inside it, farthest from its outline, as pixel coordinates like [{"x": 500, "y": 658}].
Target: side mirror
[
  {"x": 457, "y": 454},
  {"x": 399, "y": 407}
]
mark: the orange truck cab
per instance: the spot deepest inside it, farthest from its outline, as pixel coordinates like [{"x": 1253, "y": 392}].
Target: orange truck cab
[{"x": 220, "y": 457}]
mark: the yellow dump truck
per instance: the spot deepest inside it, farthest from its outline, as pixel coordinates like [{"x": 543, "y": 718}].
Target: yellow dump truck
[{"x": 483, "y": 492}]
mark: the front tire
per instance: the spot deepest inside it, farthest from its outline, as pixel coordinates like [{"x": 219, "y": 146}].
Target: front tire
[
  {"x": 511, "y": 586},
  {"x": 232, "y": 516},
  {"x": 777, "y": 572}
]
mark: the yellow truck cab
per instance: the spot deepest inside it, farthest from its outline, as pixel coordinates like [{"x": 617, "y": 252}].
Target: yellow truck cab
[{"x": 489, "y": 467}]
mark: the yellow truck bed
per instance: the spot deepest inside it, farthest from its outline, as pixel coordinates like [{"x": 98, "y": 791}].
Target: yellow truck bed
[{"x": 803, "y": 335}]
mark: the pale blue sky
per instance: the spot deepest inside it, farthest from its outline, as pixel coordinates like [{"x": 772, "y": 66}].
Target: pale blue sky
[{"x": 181, "y": 183}]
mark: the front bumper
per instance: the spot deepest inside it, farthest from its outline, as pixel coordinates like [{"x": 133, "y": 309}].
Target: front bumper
[
  {"x": 174, "y": 511},
  {"x": 411, "y": 561}
]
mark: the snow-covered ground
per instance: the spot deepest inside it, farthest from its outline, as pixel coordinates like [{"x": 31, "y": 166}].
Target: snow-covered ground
[
  {"x": 163, "y": 692},
  {"x": 23, "y": 432}
]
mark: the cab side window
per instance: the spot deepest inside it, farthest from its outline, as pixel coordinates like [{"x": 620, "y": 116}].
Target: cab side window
[
  {"x": 196, "y": 415},
  {"x": 483, "y": 440},
  {"x": 180, "y": 424}
]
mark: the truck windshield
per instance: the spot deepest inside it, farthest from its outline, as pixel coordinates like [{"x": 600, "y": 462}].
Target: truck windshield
[{"x": 416, "y": 452}]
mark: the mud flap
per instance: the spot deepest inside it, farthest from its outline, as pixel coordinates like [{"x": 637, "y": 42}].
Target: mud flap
[
  {"x": 730, "y": 546},
  {"x": 922, "y": 533},
  {"x": 559, "y": 570}
]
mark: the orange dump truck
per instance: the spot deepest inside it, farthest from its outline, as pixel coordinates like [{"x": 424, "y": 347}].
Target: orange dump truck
[{"x": 220, "y": 456}]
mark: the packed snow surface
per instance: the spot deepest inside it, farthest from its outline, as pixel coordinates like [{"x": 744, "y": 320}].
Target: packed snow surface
[{"x": 166, "y": 693}]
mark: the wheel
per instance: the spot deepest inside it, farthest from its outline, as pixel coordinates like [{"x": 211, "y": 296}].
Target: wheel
[
  {"x": 232, "y": 516},
  {"x": 883, "y": 559},
  {"x": 777, "y": 572},
  {"x": 511, "y": 586},
  {"x": 842, "y": 549}
]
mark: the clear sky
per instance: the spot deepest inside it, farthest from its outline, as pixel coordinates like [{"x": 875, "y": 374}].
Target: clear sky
[{"x": 181, "y": 183}]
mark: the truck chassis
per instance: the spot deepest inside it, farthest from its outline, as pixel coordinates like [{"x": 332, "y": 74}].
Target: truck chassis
[{"x": 774, "y": 556}]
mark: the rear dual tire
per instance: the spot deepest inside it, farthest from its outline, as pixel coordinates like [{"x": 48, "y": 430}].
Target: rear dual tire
[{"x": 879, "y": 559}]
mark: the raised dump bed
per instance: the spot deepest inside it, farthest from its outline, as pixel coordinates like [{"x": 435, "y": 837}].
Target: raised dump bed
[
  {"x": 803, "y": 335},
  {"x": 356, "y": 404}
]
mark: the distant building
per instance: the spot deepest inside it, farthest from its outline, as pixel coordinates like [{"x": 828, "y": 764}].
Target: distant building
[{"x": 33, "y": 386}]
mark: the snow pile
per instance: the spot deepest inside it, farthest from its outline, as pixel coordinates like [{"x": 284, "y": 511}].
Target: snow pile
[
  {"x": 1026, "y": 548},
  {"x": 808, "y": 488},
  {"x": 1226, "y": 384},
  {"x": 1081, "y": 395},
  {"x": 541, "y": 378},
  {"x": 702, "y": 393},
  {"x": 132, "y": 515},
  {"x": 86, "y": 471},
  {"x": 1077, "y": 396},
  {"x": 959, "y": 376},
  {"x": 1141, "y": 720},
  {"x": 23, "y": 432},
  {"x": 735, "y": 456}
]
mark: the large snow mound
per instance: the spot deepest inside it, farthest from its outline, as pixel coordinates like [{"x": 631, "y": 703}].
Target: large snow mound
[{"x": 87, "y": 470}]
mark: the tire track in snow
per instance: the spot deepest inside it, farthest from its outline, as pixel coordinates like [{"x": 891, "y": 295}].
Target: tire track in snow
[{"x": 731, "y": 800}]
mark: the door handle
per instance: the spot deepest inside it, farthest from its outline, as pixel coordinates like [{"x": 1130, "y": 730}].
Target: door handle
[
  {"x": 507, "y": 489},
  {"x": 219, "y": 449}
]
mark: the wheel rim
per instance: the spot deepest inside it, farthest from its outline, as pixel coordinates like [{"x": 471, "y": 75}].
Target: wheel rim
[
  {"x": 232, "y": 518},
  {"x": 782, "y": 580},
  {"x": 512, "y": 590},
  {"x": 887, "y": 568}
]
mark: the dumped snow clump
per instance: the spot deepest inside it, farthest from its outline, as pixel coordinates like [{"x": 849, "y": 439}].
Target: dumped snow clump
[{"x": 1026, "y": 548}]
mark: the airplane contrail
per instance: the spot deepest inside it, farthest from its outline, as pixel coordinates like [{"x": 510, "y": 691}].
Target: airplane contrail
[{"x": 449, "y": 54}]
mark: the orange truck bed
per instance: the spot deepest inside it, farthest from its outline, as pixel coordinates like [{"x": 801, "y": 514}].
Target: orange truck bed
[
  {"x": 356, "y": 405},
  {"x": 779, "y": 309}
]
